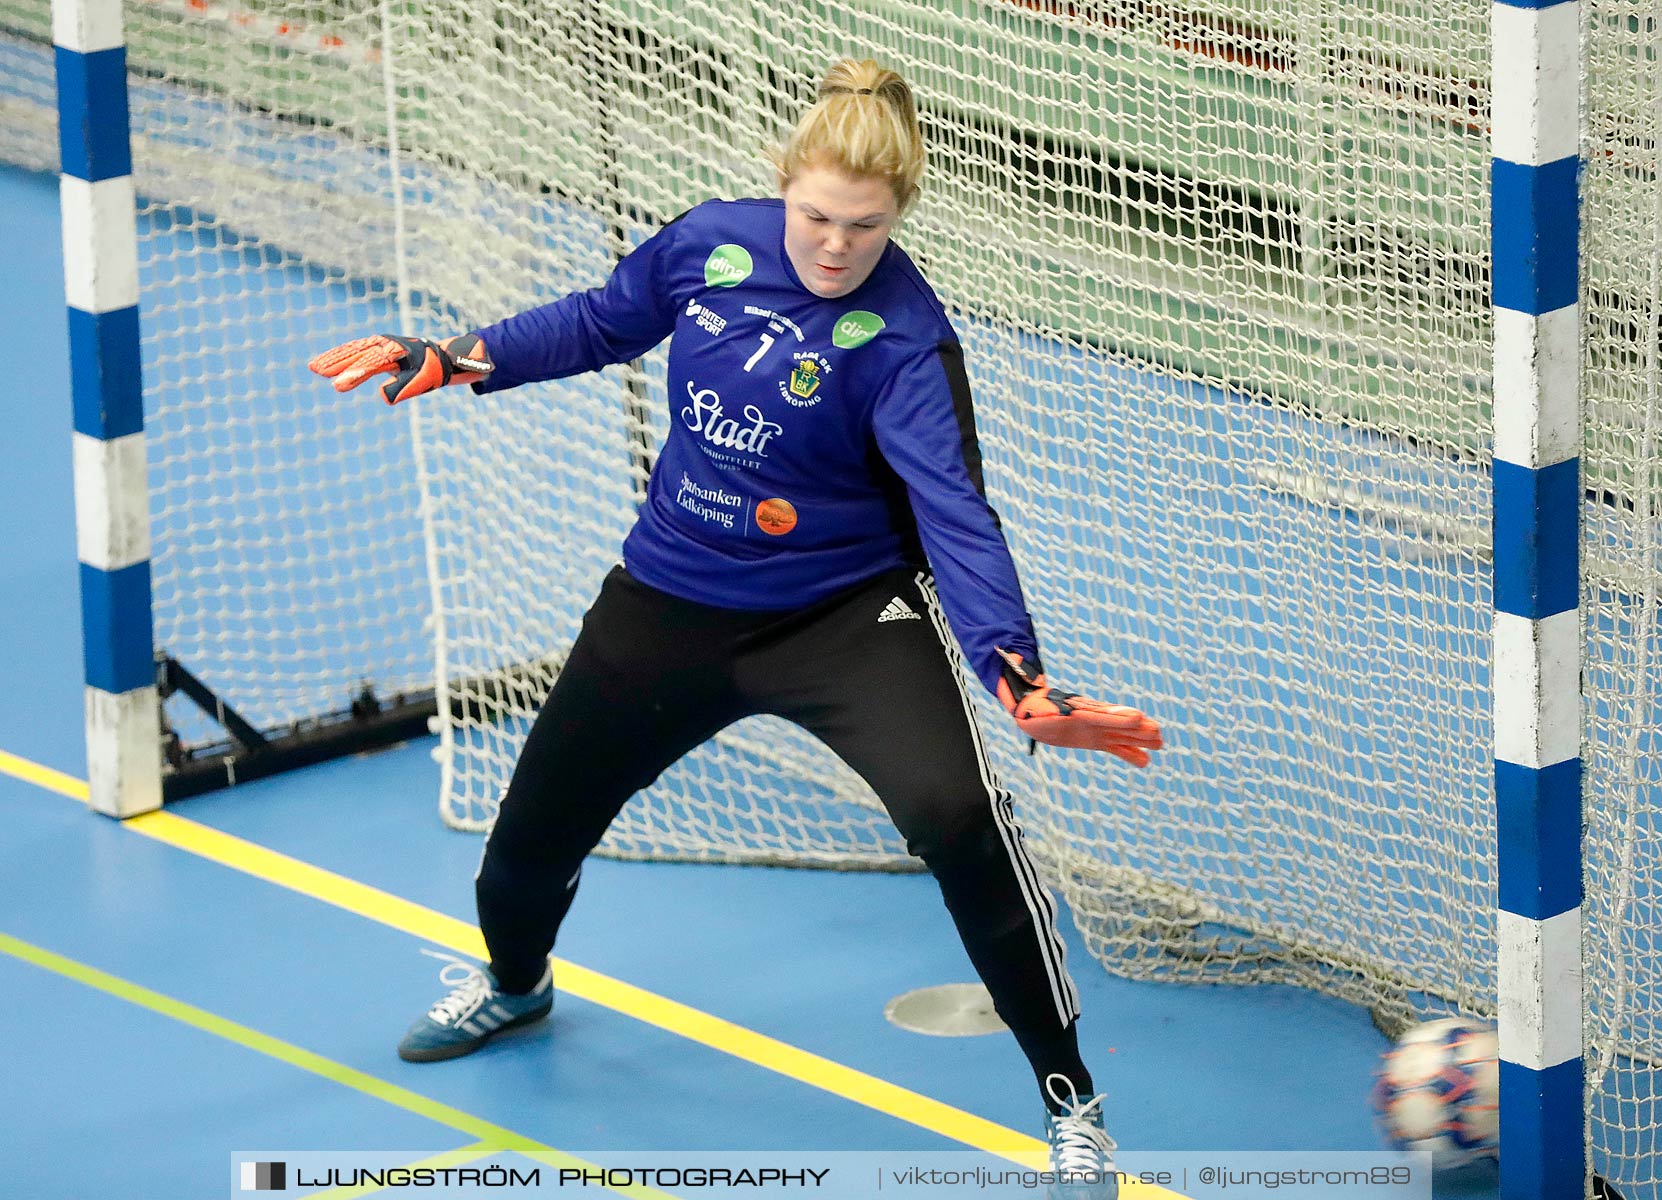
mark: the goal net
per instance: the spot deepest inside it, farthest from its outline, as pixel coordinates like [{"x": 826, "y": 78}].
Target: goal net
[{"x": 1221, "y": 273}]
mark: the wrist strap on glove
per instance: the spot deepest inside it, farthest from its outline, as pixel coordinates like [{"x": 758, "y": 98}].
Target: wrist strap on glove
[{"x": 1020, "y": 680}]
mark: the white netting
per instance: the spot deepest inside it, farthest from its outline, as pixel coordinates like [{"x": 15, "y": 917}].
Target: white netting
[
  {"x": 1221, "y": 271},
  {"x": 288, "y": 566},
  {"x": 1230, "y": 365},
  {"x": 1621, "y": 383},
  {"x": 28, "y": 92}
]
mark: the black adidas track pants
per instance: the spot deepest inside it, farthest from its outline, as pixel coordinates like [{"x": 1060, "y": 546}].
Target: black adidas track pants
[{"x": 651, "y": 676}]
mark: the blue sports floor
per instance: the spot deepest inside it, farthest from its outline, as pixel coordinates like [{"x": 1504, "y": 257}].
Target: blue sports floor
[{"x": 232, "y": 975}]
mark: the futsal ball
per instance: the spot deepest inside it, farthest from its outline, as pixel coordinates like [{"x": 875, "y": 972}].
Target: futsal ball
[{"x": 1438, "y": 1089}]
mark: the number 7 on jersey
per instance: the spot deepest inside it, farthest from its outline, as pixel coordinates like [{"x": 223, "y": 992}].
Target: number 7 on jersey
[{"x": 767, "y": 342}]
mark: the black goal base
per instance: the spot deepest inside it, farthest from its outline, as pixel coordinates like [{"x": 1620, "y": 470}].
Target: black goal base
[{"x": 369, "y": 723}]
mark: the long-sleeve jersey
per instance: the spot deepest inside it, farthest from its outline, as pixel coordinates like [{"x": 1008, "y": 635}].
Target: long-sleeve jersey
[{"x": 813, "y": 443}]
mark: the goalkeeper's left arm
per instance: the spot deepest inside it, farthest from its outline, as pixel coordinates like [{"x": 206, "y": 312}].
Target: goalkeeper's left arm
[
  {"x": 417, "y": 365},
  {"x": 926, "y": 432}
]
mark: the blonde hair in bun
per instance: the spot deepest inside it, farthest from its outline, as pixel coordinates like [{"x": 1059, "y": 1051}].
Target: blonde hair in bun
[{"x": 863, "y": 123}]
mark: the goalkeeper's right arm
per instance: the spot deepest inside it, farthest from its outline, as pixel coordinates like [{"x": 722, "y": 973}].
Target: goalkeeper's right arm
[{"x": 416, "y": 364}]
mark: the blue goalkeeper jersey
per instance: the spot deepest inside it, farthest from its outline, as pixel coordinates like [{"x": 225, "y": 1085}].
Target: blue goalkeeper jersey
[{"x": 812, "y": 443}]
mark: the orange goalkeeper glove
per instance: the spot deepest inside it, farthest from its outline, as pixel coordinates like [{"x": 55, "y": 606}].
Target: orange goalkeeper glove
[
  {"x": 1057, "y": 718},
  {"x": 416, "y": 364}
]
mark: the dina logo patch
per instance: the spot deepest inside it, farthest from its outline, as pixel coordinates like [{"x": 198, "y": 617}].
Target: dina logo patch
[
  {"x": 855, "y": 329},
  {"x": 728, "y": 264}
]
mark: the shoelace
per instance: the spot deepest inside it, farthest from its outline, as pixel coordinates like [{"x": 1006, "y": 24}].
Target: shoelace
[
  {"x": 1081, "y": 1147},
  {"x": 470, "y": 989}
]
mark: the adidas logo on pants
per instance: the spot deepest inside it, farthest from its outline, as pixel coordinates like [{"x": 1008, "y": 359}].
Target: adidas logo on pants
[{"x": 898, "y": 610}]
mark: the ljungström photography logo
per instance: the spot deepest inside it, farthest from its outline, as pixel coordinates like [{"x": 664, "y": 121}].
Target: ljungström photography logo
[{"x": 264, "y": 1176}]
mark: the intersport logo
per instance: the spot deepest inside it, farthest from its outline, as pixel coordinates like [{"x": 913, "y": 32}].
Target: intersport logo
[{"x": 706, "y": 417}]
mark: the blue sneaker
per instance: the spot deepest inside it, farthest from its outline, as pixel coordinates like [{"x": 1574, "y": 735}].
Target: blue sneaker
[
  {"x": 472, "y": 1013},
  {"x": 1081, "y": 1153}
]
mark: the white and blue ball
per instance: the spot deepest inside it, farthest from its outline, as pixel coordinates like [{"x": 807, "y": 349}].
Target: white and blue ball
[{"x": 1438, "y": 1089}]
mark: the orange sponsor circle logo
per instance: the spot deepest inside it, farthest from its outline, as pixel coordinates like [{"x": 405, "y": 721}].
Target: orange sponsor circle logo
[{"x": 776, "y": 517}]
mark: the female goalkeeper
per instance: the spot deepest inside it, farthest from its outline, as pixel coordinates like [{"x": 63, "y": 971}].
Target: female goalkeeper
[{"x": 814, "y": 534}]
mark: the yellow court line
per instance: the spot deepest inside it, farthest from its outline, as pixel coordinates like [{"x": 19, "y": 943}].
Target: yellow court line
[
  {"x": 44, "y": 777},
  {"x": 672, "y": 1016},
  {"x": 575, "y": 980},
  {"x": 490, "y": 1137}
]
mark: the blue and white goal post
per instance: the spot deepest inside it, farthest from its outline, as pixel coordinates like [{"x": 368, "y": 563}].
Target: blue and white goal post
[
  {"x": 1537, "y": 640},
  {"x": 112, "y": 518},
  {"x": 128, "y": 676}
]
